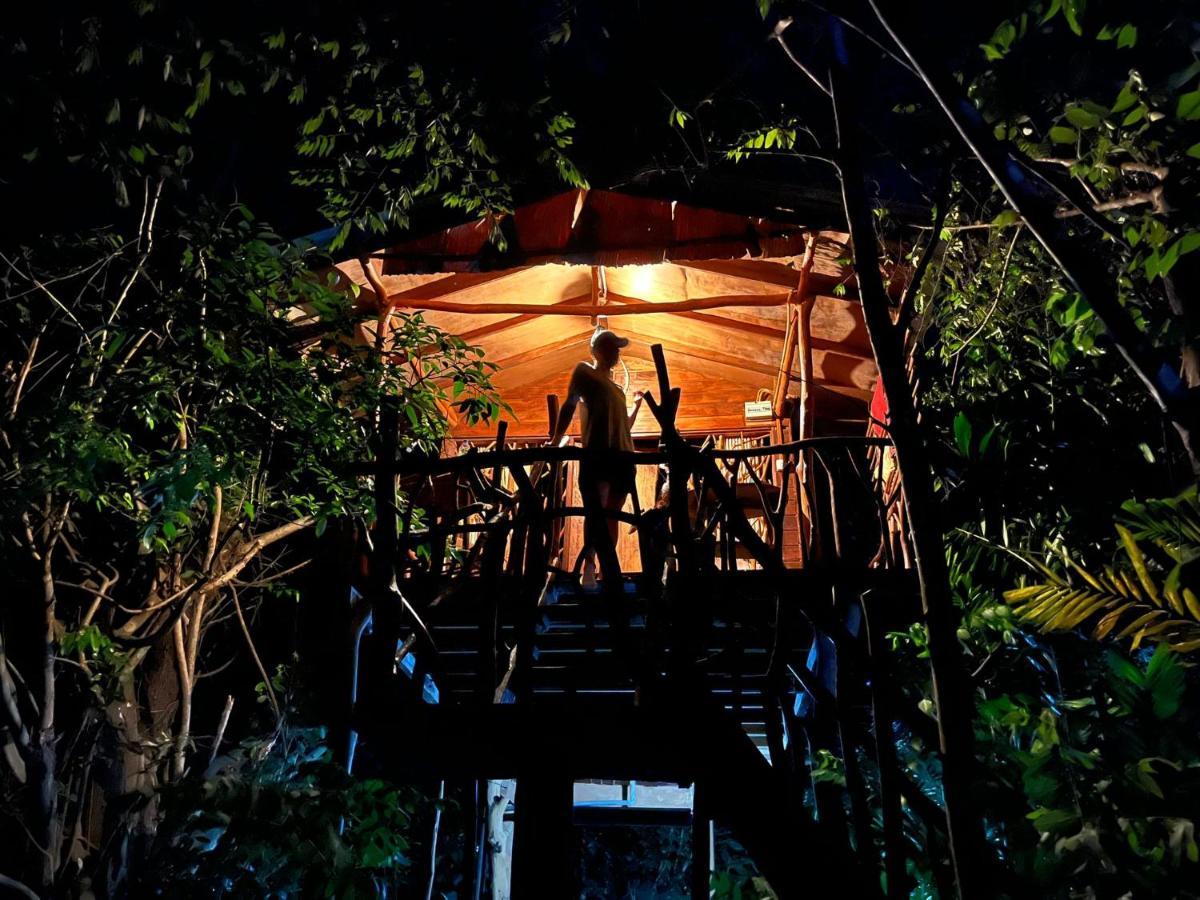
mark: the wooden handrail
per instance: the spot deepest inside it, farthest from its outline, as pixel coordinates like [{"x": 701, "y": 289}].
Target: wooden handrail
[{"x": 525, "y": 456}]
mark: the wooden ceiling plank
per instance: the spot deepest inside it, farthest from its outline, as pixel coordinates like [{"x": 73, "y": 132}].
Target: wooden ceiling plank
[
  {"x": 544, "y": 350},
  {"x": 754, "y": 271},
  {"x": 505, "y": 324},
  {"x": 705, "y": 356},
  {"x": 767, "y": 331}
]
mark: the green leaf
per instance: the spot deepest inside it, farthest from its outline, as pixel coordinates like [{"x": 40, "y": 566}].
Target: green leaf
[
  {"x": 1060, "y": 134},
  {"x": 1081, "y": 118},
  {"x": 1125, "y": 99},
  {"x": 1052, "y": 821},
  {"x": 205, "y": 58},
  {"x": 1194, "y": 151},
  {"x": 1135, "y": 115},
  {"x": 1187, "y": 243},
  {"x": 1072, "y": 10},
  {"x": 1165, "y": 682},
  {"x": 1059, "y": 357},
  {"x": 1127, "y": 36},
  {"x": 962, "y": 434},
  {"x": 1188, "y": 106},
  {"x": 1006, "y": 218}
]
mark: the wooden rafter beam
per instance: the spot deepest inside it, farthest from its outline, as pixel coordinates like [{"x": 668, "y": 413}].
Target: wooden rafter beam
[
  {"x": 768, "y": 331},
  {"x": 673, "y": 306}
]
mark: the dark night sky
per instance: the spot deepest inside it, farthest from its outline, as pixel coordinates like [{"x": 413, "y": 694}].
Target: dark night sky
[{"x": 625, "y": 64}]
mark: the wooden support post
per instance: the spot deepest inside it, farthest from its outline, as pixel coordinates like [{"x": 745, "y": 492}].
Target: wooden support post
[
  {"x": 798, "y": 333},
  {"x": 595, "y": 295},
  {"x": 880, "y": 675},
  {"x": 551, "y": 413},
  {"x": 807, "y": 414},
  {"x": 542, "y": 850},
  {"x": 433, "y": 842},
  {"x": 786, "y": 360},
  {"x": 847, "y": 685},
  {"x": 533, "y": 581},
  {"x": 950, "y": 680},
  {"x": 480, "y": 854},
  {"x": 702, "y": 844},
  {"x": 807, "y": 369},
  {"x": 501, "y": 434}
]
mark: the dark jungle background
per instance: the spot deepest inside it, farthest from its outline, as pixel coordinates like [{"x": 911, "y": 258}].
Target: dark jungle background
[{"x": 169, "y": 461}]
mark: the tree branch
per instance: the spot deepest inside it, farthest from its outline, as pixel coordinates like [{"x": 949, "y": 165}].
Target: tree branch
[{"x": 1149, "y": 364}]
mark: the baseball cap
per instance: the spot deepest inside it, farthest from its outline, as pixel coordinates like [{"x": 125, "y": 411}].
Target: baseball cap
[{"x": 603, "y": 334}]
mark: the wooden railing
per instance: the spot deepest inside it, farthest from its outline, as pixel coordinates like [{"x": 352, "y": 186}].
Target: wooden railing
[{"x": 820, "y": 501}]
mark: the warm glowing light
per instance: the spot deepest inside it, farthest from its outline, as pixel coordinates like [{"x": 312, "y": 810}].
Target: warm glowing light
[{"x": 641, "y": 281}]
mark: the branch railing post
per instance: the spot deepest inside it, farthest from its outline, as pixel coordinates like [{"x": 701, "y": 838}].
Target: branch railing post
[
  {"x": 385, "y": 606},
  {"x": 949, "y": 676}
]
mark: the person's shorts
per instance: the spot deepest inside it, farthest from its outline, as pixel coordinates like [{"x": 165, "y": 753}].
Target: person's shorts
[{"x": 619, "y": 474}]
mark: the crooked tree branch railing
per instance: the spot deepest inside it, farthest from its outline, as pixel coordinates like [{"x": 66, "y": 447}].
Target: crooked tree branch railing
[{"x": 724, "y": 488}]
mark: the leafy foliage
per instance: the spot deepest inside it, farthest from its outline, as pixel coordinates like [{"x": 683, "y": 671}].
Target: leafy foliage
[
  {"x": 1127, "y": 601},
  {"x": 241, "y": 830},
  {"x": 1108, "y": 769},
  {"x": 186, "y": 391}
]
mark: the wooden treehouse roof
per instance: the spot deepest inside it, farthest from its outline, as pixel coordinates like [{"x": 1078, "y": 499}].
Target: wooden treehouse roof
[{"x": 715, "y": 289}]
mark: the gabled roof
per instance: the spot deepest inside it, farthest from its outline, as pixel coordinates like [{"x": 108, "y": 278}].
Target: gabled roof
[
  {"x": 583, "y": 254},
  {"x": 595, "y": 226}
]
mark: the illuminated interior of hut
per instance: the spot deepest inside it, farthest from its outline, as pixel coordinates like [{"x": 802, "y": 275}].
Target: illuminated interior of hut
[{"x": 758, "y": 321}]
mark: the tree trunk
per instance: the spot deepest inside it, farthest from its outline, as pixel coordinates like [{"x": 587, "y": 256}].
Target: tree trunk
[
  {"x": 499, "y": 837},
  {"x": 950, "y": 681},
  {"x": 43, "y": 783}
]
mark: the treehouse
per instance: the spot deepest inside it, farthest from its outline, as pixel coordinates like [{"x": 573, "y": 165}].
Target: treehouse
[
  {"x": 756, "y": 319},
  {"x": 735, "y": 637}
]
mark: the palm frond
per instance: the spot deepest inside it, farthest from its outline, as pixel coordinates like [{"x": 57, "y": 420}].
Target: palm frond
[
  {"x": 1172, "y": 524},
  {"x": 1118, "y": 603}
]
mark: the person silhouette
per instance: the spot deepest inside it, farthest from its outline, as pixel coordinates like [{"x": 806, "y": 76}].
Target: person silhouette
[{"x": 606, "y": 425}]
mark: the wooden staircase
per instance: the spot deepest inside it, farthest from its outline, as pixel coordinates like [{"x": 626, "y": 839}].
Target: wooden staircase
[{"x": 692, "y": 703}]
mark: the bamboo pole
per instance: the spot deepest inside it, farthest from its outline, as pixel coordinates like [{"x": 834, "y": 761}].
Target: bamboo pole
[
  {"x": 794, "y": 336},
  {"x": 949, "y": 676}
]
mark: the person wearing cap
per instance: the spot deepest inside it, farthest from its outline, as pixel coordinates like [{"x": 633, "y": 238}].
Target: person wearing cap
[{"x": 606, "y": 424}]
